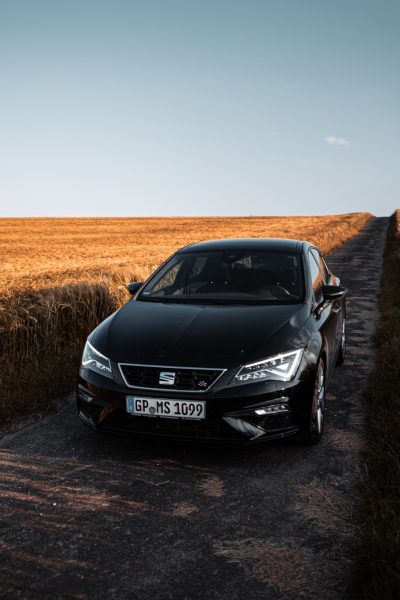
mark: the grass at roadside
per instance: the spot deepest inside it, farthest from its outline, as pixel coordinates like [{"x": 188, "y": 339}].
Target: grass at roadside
[
  {"x": 60, "y": 277},
  {"x": 379, "y": 549}
]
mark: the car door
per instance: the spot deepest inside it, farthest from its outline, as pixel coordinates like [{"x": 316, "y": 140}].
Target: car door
[
  {"x": 330, "y": 279},
  {"x": 323, "y": 313}
]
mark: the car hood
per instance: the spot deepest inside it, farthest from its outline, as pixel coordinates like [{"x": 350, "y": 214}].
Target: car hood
[{"x": 198, "y": 335}]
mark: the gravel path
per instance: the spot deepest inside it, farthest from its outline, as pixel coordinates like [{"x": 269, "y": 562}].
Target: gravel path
[{"x": 91, "y": 516}]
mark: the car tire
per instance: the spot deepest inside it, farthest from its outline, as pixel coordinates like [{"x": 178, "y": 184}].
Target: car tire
[
  {"x": 317, "y": 408},
  {"x": 342, "y": 349}
]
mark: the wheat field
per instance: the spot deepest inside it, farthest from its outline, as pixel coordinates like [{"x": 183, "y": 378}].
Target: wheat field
[{"x": 60, "y": 277}]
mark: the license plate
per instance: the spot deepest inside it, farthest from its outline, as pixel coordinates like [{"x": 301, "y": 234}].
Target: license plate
[{"x": 160, "y": 407}]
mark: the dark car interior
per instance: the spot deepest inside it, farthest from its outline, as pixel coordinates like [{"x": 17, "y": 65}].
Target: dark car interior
[{"x": 264, "y": 275}]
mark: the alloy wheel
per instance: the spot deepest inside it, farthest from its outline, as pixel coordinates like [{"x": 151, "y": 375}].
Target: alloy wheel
[
  {"x": 316, "y": 426},
  {"x": 320, "y": 398}
]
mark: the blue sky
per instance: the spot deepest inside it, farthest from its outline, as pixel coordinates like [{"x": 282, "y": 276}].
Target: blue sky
[{"x": 199, "y": 108}]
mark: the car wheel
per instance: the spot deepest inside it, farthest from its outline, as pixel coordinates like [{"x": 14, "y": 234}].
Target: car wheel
[
  {"x": 317, "y": 413},
  {"x": 342, "y": 349}
]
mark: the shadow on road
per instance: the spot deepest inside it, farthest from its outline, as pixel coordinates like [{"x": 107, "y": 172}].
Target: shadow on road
[{"x": 86, "y": 515}]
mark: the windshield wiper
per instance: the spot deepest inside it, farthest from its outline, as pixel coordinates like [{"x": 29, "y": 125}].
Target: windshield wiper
[
  {"x": 186, "y": 300},
  {"x": 220, "y": 301}
]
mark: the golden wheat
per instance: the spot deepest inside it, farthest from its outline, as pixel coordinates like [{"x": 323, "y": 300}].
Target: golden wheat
[
  {"x": 60, "y": 277},
  {"x": 67, "y": 250}
]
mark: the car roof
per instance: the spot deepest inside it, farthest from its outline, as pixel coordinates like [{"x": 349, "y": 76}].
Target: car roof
[{"x": 258, "y": 244}]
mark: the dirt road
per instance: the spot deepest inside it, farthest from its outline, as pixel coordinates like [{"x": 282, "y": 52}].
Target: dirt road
[{"x": 91, "y": 516}]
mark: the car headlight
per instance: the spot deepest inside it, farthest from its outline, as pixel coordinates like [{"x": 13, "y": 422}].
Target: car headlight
[
  {"x": 95, "y": 361},
  {"x": 281, "y": 367}
]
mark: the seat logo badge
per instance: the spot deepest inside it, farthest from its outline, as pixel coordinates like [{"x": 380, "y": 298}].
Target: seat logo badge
[{"x": 166, "y": 378}]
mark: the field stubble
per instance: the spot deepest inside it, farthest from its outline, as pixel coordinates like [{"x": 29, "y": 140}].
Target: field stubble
[
  {"x": 60, "y": 277},
  {"x": 378, "y": 548}
]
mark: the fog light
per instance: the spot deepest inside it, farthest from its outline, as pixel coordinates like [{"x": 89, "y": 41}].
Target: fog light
[{"x": 273, "y": 409}]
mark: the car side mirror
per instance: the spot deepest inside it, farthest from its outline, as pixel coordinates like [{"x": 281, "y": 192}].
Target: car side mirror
[
  {"x": 333, "y": 292},
  {"x": 134, "y": 286}
]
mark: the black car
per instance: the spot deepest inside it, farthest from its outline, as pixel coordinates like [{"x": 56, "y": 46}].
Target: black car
[{"x": 232, "y": 341}]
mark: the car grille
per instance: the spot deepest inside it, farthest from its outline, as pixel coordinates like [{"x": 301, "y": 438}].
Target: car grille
[
  {"x": 208, "y": 429},
  {"x": 185, "y": 379}
]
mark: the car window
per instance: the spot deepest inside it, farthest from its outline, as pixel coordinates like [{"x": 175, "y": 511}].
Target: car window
[
  {"x": 229, "y": 276},
  {"x": 197, "y": 267},
  {"x": 168, "y": 276},
  {"x": 321, "y": 263},
  {"x": 316, "y": 277}
]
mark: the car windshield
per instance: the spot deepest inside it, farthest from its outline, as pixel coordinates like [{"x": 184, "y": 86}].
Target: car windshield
[{"x": 243, "y": 277}]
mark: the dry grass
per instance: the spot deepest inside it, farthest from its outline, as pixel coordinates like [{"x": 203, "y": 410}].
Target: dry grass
[
  {"x": 60, "y": 277},
  {"x": 291, "y": 570},
  {"x": 378, "y": 550},
  {"x": 327, "y": 507}
]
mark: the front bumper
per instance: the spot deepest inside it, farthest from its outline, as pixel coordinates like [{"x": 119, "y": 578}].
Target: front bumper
[{"x": 236, "y": 415}]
